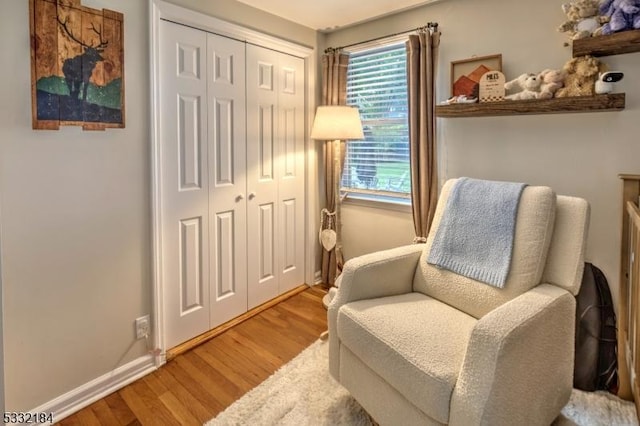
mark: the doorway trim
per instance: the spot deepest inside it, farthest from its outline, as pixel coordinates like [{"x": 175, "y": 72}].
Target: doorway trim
[{"x": 162, "y": 10}]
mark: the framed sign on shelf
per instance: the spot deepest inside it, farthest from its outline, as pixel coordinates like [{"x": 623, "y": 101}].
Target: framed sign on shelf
[{"x": 466, "y": 73}]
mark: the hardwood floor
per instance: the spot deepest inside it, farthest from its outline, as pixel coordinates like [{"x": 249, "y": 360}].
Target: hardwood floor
[{"x": 195, "y": 386}]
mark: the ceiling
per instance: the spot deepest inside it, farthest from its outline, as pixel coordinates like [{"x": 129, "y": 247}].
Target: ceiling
[{"x": 327, "y": 15}]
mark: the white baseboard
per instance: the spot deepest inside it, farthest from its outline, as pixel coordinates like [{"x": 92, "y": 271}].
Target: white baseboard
[
  {"x": 82, "y": 396},
  {"x": 318, "y": 277}
]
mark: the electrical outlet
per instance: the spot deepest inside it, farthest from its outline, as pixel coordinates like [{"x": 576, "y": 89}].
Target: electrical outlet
[{"x": 142, "y": 327}]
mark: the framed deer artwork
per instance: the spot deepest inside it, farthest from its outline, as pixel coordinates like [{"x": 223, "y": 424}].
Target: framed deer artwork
[{"x": 77, "y": 65}]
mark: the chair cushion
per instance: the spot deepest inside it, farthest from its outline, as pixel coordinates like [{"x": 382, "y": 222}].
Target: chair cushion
[
  {"x": 414, "y": 342},
  {"x": 533, "y": 233}
]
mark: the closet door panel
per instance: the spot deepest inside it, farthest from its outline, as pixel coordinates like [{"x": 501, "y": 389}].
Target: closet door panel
[
  {"x": 227, "y": 178},
  {"x": 266, "y": 243},
  {"x": 291, "y": 172},
  {"x": 262, "y": 182},
  {"x": 184, "y": 185}
]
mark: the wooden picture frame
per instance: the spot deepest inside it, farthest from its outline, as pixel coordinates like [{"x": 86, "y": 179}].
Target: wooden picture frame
[
  {"x": 466, "y": 73},
  {"x": 77, "y": 66}
]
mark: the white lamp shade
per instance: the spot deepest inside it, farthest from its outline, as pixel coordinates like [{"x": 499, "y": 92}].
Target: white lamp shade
[{"x": 337, "y": 122}]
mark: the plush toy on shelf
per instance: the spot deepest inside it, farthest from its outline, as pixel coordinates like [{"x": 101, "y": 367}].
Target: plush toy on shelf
[
  {"x": 581, "y": 76},
  {"x": 583, "y": 19},
  {"x": 623, "y": 15},
  {"x": 528, "y": 86},
  {"x": 550, "y": 81}
]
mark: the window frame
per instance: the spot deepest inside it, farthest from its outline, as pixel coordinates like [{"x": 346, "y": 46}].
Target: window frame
[{"x": 398, "y": 201}]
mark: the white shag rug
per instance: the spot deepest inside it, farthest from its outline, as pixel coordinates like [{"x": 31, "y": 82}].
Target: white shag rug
[{"x": 303, "y": 393}]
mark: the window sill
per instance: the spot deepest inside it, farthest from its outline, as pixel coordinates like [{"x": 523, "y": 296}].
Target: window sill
[{"x": 385, "y": 202}]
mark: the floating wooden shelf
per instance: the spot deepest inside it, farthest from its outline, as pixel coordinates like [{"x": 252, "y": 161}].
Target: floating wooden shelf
[
  {"x": 612, "y": 102},
  {"x": 612, "y": 44}
]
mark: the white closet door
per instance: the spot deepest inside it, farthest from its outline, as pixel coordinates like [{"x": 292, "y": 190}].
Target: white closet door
[
  {"x": 262, "y": 182},
  {"x": 184, "y": 182},
  {"x": 291, "y": 172},
  {"x": 275, "y": 174},
  {"x": 227, "y": 178},
  {"x": 232, "y": 178}
]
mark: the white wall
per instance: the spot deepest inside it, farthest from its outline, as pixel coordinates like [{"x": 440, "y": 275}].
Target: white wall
[
  {"x": 368, "y": 227},
  {"x": 75, "y": 226},
  {"x": 576, "y": 154},
  {"x": 76, "y": 218}
]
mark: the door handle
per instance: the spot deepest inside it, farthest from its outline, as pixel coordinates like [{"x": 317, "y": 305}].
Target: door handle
[
  {"x": 252, "y": 195},
  {"x": 240, "y": 197}
]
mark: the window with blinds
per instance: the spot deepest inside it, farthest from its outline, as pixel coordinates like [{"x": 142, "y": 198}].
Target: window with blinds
[{"x": 377, "y": 85}]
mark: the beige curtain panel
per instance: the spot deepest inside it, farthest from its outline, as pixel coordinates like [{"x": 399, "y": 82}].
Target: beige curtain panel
[
  {"x": 422, "y": 53},
  {"x": 334, "y": 92}
]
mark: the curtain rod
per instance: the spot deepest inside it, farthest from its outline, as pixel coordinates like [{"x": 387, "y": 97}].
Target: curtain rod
[{"x": 429, "y": 26}]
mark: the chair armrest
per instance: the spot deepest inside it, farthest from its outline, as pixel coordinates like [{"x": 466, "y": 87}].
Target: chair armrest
[
  {"x": 518, "y": 368},
  {"x": 384, "y": 273},
  {"x": 379, "y": 274}
]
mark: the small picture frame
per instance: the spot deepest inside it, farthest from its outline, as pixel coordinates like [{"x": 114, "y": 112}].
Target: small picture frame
[
  {"x": 466, "y": 73},
  {"x": 491, "y": 87}
]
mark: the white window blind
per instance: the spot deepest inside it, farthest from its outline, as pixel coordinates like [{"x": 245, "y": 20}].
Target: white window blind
[{"x": 377, "y": 85}]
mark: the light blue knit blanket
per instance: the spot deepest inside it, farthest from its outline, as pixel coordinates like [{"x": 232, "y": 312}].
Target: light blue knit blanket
[{"x": 475, "y": 236}]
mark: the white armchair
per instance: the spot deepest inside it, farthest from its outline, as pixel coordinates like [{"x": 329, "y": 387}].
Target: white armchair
[{"x": 416, "y": 344}]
